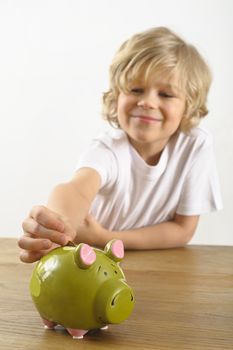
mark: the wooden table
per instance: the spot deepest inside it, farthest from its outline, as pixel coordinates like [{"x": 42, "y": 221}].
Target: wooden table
[{"x": 184, "y": 300}]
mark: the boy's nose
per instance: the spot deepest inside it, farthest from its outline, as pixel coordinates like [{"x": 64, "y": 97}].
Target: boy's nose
[{"x": 149, "y": 101}]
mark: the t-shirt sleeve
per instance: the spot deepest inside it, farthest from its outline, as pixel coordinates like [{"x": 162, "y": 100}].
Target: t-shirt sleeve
[
  {"x": 99, "y": 157},
  {"x": 201, "y": 190}
]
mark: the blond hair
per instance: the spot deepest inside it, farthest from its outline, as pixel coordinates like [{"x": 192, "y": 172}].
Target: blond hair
[{"x": 160, "y": 51}]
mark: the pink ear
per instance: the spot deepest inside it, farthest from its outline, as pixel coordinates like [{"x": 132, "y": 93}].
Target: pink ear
[
  {"x": 87, "y": 255},
  {"x": 117, "y": 249}
]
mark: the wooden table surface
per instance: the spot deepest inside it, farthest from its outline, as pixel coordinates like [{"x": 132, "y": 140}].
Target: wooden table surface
[{"x": 184, "y": 300}]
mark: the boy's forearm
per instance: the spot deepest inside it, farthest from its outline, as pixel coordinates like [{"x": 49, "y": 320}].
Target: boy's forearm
[
  {"x": 161, "y": 236},
  {"x": 66, "y": 201},
  {"x": 73, "y": 199}
]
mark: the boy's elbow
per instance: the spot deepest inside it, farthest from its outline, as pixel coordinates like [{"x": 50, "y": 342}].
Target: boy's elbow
[
  {"x": 188, "y": 225},
  {"x": 187, "y": 235}
]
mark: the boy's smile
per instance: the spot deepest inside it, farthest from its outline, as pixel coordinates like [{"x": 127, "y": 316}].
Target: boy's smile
[
  {"x": 146, "y": 117},
  {"x": 150, "y": 114}
]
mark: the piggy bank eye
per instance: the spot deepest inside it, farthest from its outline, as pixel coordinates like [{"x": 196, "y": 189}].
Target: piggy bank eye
[
  {"x": 115, "y": 250},
  {"x": 85, "y": 256}
]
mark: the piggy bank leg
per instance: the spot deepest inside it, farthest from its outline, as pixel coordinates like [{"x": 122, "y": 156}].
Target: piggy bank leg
[
  {"x": 104, "y": 328},
  {"x": 77, "y": 333},
  {"x": 48, "y": 324}
]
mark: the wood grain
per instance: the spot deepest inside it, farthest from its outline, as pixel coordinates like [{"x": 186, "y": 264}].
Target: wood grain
[{"x": 184, "y": 300}]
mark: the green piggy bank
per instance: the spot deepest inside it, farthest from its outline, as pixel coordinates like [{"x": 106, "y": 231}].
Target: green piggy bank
[{"x": 82, "y": 288}]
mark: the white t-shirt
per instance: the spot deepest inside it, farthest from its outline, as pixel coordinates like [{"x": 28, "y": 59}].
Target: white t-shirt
[{"x": 134, "y": 194}]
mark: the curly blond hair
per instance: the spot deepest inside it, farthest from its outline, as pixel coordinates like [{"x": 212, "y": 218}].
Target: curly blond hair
[{"x": 159, "y": 51}]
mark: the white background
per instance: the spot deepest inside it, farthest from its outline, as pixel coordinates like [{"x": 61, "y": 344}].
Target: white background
[{"x": 54, "y": 58}]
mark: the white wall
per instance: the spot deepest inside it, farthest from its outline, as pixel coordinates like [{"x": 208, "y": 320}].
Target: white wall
[{"x": 54, "y": 58}]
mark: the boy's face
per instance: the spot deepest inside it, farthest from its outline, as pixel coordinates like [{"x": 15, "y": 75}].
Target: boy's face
[{"x": 151, "y": 113}]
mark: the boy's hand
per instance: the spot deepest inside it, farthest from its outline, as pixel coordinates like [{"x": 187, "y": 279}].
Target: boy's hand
[
  {"x": 92, "y": 232},
  {"x": 43, "y": 231}
]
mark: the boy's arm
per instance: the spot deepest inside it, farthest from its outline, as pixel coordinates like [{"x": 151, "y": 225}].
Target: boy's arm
[
  {"x": 73, "y": 199},
  {"x": 56, "y": 224},
  {"x": 170, "y": 234}
]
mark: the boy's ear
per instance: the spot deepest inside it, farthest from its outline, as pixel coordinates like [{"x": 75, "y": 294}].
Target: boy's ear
[
  {"x": 84, "y": 256},
  {"x": 115, "y": 250}
]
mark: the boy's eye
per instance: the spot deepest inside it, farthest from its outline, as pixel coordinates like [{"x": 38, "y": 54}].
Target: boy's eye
[
  {"x": 166, "y": 95},
  {"x": 137, "y": 90}
]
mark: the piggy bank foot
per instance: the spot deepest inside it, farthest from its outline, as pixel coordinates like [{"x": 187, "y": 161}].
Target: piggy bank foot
[
  {"x": 104, "y": 328},
  {"x": 77, "y": 333},
  {"x": 48, "y": 324}
]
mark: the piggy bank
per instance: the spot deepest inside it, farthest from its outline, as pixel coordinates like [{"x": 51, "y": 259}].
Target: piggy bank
[{"x": 82, "y": 288}]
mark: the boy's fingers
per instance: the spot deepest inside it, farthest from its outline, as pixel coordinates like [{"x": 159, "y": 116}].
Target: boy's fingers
[
  {"x": 33, "y": 229},
  {"x": 47, "y": 218},
  {"x": 33, "y": 244},
  {"x": 29, "y": 256}
]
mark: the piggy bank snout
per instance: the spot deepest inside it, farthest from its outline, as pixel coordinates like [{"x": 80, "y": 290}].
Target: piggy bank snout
[{"x": 114, "y": 302}]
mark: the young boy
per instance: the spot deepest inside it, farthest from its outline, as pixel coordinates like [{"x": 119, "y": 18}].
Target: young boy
[{"x": 148, "y": 181}]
